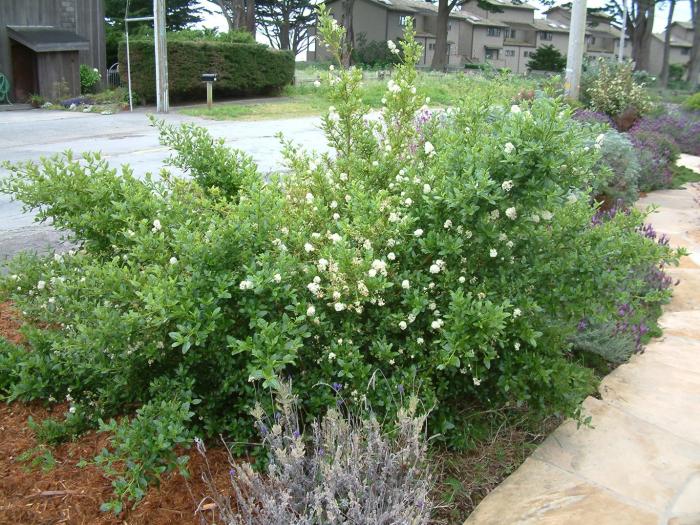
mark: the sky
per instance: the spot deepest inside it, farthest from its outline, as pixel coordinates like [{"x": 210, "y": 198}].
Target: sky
[{"x": 681, "y": 14}]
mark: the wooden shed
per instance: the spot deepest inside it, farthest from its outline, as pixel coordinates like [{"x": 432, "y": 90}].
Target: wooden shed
[{"x": 44, "y": 42}]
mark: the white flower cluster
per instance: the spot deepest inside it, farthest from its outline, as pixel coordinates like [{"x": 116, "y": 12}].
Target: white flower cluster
[
  {"x": 378, "y": 267},
  {"x": 392, "y": 47},
  {"x": 438, "y": 266}
]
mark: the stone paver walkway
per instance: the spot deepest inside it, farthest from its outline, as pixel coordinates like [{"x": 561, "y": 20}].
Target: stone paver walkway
[{"x": 640, "y": 463}]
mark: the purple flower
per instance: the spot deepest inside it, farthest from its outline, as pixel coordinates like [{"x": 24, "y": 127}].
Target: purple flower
[
  {"x": 336, "y": 387},
  {"x": 400, "y": 387}
]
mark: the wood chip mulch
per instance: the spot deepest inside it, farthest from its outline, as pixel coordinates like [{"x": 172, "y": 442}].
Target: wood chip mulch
[{"x": 68, "y": 494}]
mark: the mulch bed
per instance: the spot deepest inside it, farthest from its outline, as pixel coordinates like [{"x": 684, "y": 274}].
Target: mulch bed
[{"x": 68, "y": 494}]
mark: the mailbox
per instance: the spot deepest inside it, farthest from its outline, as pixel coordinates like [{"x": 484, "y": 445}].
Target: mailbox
[{"x": 209, "y": 78}]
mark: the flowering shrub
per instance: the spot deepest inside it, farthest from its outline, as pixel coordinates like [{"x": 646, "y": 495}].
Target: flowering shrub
[
  {"x": 682, "y": 128},
  {"x": 349, "y": 472},
  {"x": 657, "y": 153},
  {"x": 450, "y": 252},
  {"x": 612, "y": 89},
  {"x": 592, "y": 117},
  {"x": 89, "y": 79}
]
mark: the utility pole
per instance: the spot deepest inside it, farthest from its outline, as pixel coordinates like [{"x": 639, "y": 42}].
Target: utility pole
[
  {"x": 162, "y": 98},
  {"x": 574, "y": 57},
  {"x": 623, "y": 35}
]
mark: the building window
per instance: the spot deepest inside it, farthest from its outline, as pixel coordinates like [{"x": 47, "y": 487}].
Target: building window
[
  {"x": 546, "y": 35},
  {"x": 491, "y": 53},
  {"x": 404, "y": 20},
  {"x": 449, "y": 26},
  {"x": 685, "y": 51},
  {"x": 590, "y": 40},
  {"x": 431, "y": 46},
  {"x": 510, "y": 52},
  {"x": 527, "y": 53},
  {"x": 512, "y": 33},
  {"x": 493, "y": 31}
]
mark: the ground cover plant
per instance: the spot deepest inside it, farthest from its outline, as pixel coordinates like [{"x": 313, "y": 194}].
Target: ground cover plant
[{"x": 453, "y": 254}]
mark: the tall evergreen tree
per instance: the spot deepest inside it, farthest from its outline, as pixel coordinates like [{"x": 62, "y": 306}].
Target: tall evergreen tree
[
  {"x": 239, "y": 14},
  {"x": 286, "y": 23}
]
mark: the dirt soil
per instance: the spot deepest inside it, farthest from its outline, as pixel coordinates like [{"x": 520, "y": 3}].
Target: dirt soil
[{"x": 57, "y": 491}]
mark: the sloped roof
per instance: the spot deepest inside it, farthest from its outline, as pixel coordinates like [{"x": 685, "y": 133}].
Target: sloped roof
[
  {"x": 550, "y": 26},
  {"x": 476, "y": 19},
  {"x": 684, "y": 25},
  {"x": 511, "y": 3},
  {"x": 675, "y": 42},
  {"x": 43, "y": 39}
]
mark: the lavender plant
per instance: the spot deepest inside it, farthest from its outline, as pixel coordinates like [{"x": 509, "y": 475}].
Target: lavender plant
[{"x": 349, "y": 469}]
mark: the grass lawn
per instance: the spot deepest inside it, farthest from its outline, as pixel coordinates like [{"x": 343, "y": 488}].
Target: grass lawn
[
  {"x": 306, "y": 99},
  {"x": 683, "y": 175}
]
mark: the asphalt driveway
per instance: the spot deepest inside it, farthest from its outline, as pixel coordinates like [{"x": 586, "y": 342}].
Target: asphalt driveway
[{"x": 124, "y": 138}]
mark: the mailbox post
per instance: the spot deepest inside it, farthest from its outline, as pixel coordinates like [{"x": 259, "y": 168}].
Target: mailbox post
[{"x": 209, "y": 78}]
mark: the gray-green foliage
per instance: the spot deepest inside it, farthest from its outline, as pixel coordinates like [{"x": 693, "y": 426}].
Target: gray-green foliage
[
  {"x": 619, "y": 156},
  {"x": 347, "y": 468},
  {"x": 605, "y": 340}
]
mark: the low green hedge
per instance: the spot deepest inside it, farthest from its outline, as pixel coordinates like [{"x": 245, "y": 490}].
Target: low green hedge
[{"x": 243, "y": 69}]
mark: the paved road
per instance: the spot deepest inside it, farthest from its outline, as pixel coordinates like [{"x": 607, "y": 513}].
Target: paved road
[{"x": 124, "y": 138}]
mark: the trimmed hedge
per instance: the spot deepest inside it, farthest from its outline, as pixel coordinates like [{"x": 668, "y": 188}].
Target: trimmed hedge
[{"x": 243, "y": 69}]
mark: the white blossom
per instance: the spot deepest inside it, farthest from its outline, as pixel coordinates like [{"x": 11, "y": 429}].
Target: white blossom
[
  {"x": 509, "y": 148},
  {"x": 308, "y": 247},
  {"x": 317, "y": 83},
  {"x": 393, "y": 87},
  {"x": 493, "y": 252},
  {"x": 434, "y": 268},
  {"x": 429, "y": 148},
  {"x": 512, "y": 213},
  {"x": 405, "y": 284},
  {"x": 418, "y": 232},
  {"x": 448, "y": 224},
  {"x": 517, "y": 312},
  {"x": 314, "y": 288},
  {"x": 462, "y": 279},
  {"x": 515, "y": 109},
  {"x": 547, "y": 215},
  {"x": 391, "y": 256},
  {"x": 277, "y": 278},
  {"x": 336, "y": 216},
  {"x": 156, "y": 225},
  {"x": 339, "y": 307},
  {"x": 408, "y": 201},
  {"x": 507, "y": 185},
  {"x": 309, "y": 197},
  {"x": 173, "y": 260},
  {"x": 41, "y": 285},
  {"x": 246, "y": 284},
  {"x": 403, "y": 325},
  {"x": 335, "y": 237}
]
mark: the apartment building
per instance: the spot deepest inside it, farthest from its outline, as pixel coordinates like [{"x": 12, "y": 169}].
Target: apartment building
[
  {"x": 505, "y": 39},
  {"x": 680, "y": 46}
]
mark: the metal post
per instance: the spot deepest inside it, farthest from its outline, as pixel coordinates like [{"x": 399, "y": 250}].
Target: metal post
[
  {"x": 623, "y": 36},
  {"x": 128, "y": 65},
  {"x": 209, "y": 94},
  {"x": 128, "y": 55},
  {"x": 574, "y": 57},
  {"x": 162, "y": 98}
]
